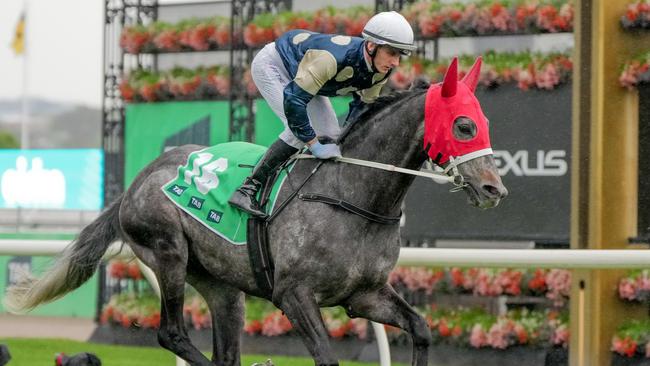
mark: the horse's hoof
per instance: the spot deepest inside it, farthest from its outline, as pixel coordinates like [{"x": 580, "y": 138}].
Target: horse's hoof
[{"x": 267, "y": 363}]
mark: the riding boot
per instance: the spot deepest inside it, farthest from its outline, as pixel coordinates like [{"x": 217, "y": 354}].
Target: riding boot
[{"x": 244, "y": 197}]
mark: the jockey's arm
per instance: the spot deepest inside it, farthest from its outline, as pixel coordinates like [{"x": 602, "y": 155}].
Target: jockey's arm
[
  {"x": 363, "y": 97},
  {"x": 369, "y": 95},
  {"x": 314, "y": 70}
]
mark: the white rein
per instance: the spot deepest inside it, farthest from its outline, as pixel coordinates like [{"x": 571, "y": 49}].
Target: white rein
[{"x": 450, "y": 174}]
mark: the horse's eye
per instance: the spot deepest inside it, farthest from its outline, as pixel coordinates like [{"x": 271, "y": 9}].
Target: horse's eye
[{"x": 464, "y": 129}]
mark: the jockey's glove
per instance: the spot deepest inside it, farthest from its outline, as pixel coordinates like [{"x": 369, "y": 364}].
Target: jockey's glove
[{"x": 325, "y": 151}]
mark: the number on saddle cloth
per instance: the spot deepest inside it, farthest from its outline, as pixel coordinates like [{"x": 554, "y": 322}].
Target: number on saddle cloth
[{"x": 208, "y": 179}]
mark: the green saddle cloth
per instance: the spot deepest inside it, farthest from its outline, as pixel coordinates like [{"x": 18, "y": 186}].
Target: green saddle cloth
[{"x": 208, "y": 179}]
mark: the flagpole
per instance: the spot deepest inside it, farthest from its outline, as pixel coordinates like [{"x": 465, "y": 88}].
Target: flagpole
[{"x": 24, "y": 126}]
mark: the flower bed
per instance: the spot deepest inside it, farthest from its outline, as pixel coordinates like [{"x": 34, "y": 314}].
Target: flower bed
[
  {"x": 553, "y": 284},
  {"x": 459, "y": 326},
  {"x": 635, "y": 286},
  {"x": 637, "y": 15},
  {"x": 188, "y": 35},
  {"x": 429, "y": 19},
  {"x": 519, "y": 327},
  {"x": 433, "y": 19},
  {"x": 632, "y": 339},
  {"x": 528, "y": 70},
  {"x": 635, "y": 71},
  {"x": 179, "y": 84},
  {"x": 462, "y": 327}
]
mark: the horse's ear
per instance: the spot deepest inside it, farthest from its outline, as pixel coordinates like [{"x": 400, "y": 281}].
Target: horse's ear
[
  {"x": 474, "y": 74},
  {"x": 451, "y": 79}
]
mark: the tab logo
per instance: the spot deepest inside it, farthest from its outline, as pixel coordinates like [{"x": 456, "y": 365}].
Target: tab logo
[
  {"x": 214, "y": 216},
  {"x": 196, "y": 202},
  {"x": 176, "y": 189}
]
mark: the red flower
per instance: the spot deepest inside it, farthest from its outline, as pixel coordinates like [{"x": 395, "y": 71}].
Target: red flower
[
  {"x": 253, "y": 327},
  {"x": 133, "y": 39},
  {"x": 626, "y": 346},
  {"x": 117, "y": 269},
  {"x": 168, "y": 40},
  {"x": 150, "y": 91},
  {"x": 222, "y": 35},
  {"x": 457, "y": 277},
  {"x": 126, "y": 91},
  {"x": 456, "y": 331},
  {"x": 126, "y": 321},
  {"x": 522, "y": 334},
  {"x": 443, "y": 329},
  {"x": 134, "y": 271}
]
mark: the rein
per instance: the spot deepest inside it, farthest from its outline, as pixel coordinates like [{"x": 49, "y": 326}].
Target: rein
[{"x": 449, "y": 174}]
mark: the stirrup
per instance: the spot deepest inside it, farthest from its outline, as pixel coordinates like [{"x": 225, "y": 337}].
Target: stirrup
[{"x": 247, "y": 203}]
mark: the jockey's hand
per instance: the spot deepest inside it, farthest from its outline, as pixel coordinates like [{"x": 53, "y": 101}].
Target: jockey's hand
[{"x": 325, "y": 151}]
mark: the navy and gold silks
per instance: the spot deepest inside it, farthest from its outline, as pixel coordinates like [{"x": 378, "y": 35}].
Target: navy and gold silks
[{"x": 327, "y": 65}]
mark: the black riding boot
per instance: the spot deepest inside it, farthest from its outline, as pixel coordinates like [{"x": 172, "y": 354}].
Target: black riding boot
[{"x": 244, "y": 196}]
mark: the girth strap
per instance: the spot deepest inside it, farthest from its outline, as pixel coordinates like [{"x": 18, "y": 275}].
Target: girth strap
[{"x": 314, "y": 197}]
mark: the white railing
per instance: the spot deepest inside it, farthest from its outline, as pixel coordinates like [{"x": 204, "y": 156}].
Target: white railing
[{"x": 428, "y": 257}]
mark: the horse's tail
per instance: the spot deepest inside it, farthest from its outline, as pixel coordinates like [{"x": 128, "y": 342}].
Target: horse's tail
[{"x": 74, "y": 266}]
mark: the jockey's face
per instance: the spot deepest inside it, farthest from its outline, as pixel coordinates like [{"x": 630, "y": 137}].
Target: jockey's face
[{"x": 386, "y": 57}]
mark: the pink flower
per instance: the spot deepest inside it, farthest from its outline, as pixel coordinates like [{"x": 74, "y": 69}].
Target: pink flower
[
  {"x": 626, "y": 289},
  {"x": 478, "y": 337},
  {"x": 626, "y": 346},
  {"x": 275, "y": 324},
  {"x": 560, "y": 336},
  {"x": 548, "y": 77},
  {"x": 524, "y": 79},
  {"x": 498, "y": 336},
  {"x": 359, "y": 327},
  {"x": 559, "y": 286},
  {"x": 644, "y": 282}
]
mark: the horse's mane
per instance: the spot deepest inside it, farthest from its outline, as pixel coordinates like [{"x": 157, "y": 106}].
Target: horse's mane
[{"x": 382, "y": 103}]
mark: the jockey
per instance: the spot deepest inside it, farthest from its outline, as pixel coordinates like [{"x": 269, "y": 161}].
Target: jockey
[{"x": 299, "y": 71}]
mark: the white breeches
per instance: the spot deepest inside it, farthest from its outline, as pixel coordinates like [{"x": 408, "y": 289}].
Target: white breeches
[{"x": 270, "y": 77}]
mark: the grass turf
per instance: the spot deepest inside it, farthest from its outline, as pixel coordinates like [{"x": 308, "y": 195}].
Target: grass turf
[{"x": 41, "y": 352}]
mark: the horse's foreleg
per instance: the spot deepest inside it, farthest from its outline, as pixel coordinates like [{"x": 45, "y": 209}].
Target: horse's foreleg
[
  {"x": 227, "y": 311},
  {"x": 387, "y": 307},
  {"x": 171, "y": 260},
  {"x": 300, "y": 306}
]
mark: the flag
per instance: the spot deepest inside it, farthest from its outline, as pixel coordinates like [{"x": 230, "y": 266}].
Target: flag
[{"x": 19, "y": 37}]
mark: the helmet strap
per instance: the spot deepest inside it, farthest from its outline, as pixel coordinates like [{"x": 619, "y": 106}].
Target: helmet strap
[{"x": 372, "y": 54}]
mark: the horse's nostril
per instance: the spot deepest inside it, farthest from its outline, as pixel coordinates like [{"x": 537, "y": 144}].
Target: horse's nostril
[{"x": 491, "y": 191}]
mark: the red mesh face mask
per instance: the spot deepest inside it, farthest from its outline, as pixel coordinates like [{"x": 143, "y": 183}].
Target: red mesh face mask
[{"x": 447, "y": 101}]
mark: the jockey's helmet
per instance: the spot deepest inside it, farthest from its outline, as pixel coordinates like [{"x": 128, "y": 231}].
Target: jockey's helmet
[{"x": 392, "y": 29}]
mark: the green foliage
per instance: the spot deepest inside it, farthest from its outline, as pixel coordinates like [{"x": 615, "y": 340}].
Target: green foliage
[
  {"x": 637, "y": 330},
  {"x": 8, "y": 141}
]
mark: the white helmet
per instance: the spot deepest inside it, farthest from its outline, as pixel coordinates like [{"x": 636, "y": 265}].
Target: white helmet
[{"x": 390, "y": 28}]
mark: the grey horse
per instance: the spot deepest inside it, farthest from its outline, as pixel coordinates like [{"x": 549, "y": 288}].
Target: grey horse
[{"x": 324, "y": 256}]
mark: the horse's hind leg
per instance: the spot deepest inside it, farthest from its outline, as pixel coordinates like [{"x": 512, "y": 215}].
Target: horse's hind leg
[
  {"x": 387, "y": 307},
  {"x": 302, "y": 310},
  {"x": 171, "y": 260},
  {"x": 226, "y": 306}
]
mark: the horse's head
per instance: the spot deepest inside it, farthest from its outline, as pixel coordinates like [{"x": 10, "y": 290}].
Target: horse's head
[{"x": 457, "y": 137}]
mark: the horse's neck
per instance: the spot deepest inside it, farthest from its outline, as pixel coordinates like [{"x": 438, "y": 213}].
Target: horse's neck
[{"x": 392, "y": 136}]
